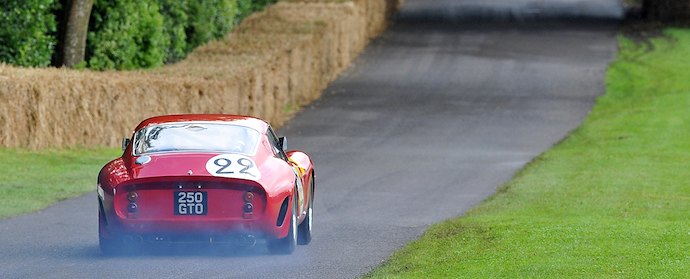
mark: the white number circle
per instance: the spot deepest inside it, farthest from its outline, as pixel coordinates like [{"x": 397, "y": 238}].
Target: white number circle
[{"x": 233, "y": 166}]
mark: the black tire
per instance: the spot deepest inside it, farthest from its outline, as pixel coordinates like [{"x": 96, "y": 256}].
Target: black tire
[
  {"x": 304, "y": 229},
  {"x": 109, "y": 247},
  {"x": 116, "y": 246},
  {"x": 286, "y": 245}
]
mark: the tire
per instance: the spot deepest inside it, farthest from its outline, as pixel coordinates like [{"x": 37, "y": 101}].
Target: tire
[
  {"x": 286, "y": 245},
  {"x": 108, "y": 247},
  {"x": 115, "y": 246},
  {"x": 304, "y": 229}
]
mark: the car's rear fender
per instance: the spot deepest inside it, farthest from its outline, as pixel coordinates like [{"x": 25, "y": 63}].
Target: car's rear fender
[{"x": 226, "y": 206}]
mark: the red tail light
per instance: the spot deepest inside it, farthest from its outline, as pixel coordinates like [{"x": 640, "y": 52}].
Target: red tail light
[
  {"x": 248, "y": 196},
  {"x": 132, "y": 196}
]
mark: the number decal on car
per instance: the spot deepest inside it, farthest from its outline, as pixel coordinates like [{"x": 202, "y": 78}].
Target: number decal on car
[
  {"x": 233, "y": 166},
  {"x": 223, "y": 163}
]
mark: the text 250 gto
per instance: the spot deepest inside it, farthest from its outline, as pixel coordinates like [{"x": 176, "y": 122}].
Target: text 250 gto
[{"x": 208, "y": 179}]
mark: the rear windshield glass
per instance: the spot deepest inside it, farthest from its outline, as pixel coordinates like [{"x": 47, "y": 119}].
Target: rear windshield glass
[{"x": 193, "y": 136}]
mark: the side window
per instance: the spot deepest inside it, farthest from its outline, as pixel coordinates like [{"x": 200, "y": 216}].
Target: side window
[{"x": 273, "y": 141}]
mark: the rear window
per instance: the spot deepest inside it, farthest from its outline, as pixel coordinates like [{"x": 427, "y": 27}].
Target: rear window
[{"x": 195, "y": 136}]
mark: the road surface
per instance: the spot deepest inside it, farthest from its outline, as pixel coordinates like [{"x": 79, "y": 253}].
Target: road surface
[{"x": 432, "y": 118}]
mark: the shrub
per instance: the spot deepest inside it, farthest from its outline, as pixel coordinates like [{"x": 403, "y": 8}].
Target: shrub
[
  {"x": 210, "y": 19},
  {"x": 189, "y": 24},
  {"x": 126, "y": 34},
  {"x": 123, "y": 34},
  {"x": 246, "y": 7},
  {"x": 175, "y": 21},
  {"x": 27, "y": 32}
]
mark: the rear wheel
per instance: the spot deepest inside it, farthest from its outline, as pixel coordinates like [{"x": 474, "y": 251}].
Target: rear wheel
[
  {"x": 114, "y": 245},
  {"x": 304, "y": 230},
  {"x": 286, "y": 245},
  {"x": 108, "y": 247}
]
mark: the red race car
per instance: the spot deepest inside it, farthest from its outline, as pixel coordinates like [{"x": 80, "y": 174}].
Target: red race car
[{"x": 207, "y": 178}]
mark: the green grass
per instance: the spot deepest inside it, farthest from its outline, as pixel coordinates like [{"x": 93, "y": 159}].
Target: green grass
[
  {"x": 33, "y": 180},
  {"x": 612, "y": 200}
]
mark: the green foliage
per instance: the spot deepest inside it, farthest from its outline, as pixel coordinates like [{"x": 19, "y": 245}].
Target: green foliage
[
  {"x": 132, "y": 34},
  {"x": 210, "y": 19},
  {"x": 123, "y": 34},
  {"x": 27, "y": 32},
  {"x": 175, "y": 21},
  {"x": 610, "y": 201},
  {"x": 246, "y": 7},
  {"x": 126, "y": 34}
]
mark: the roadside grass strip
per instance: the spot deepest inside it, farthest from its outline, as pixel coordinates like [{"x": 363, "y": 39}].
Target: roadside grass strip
[
  {"x": 34, "y": 180},
  {"x": 612, "y": 200}
]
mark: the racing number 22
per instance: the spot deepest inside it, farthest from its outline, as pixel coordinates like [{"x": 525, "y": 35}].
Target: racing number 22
[
  {"x": 225, "y": 163},
  {"x": 233, "y": 166}
]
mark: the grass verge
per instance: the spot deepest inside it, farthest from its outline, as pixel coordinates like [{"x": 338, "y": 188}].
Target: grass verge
[
  {"x": 612, "y": 200},
  {"x": 33, "y": 180}
]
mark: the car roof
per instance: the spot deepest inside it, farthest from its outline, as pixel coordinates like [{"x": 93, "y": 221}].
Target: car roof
[{"x": 240, "y": 120}]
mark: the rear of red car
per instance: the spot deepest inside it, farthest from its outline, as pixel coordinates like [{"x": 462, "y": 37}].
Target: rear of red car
[
  {"x": 190, "y": 209},
  {"x": 201, "y": 179}
]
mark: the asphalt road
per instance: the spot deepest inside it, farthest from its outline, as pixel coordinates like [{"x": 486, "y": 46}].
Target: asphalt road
[{"x": 436, "y": 114}]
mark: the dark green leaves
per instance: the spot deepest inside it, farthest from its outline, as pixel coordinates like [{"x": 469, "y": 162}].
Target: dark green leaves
[{"x": 27, "y": 32}]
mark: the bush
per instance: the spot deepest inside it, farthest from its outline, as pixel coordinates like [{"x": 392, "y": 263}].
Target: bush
[
  {"x": 27, "y": 32},
  {"x": 189, "y": 24},
  {"x": 147, "y": 33},
  {"x": 175, "y": 21},
  {"x": 210, "y": 19},
  {"x": 126, "y": 34},
  {"x": 123, "y": 34},
  {"x": 246, "y": 7}
]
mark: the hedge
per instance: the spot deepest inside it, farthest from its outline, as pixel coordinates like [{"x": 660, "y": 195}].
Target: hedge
[
  {"x": 175, "y": 21},
  {"x": 27, "y": 32},
  {"x": 132, "y": 34},
  {"x": 246, "y": 7},
  {"x": 209, "y": 19},
  {"x": 123, "y": 34}
]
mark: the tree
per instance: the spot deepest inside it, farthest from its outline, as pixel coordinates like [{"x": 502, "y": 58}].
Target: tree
[
  {"x": 647, "y": 9},
  {"x": 666, "y": 10},
  {"x": 73, "y": 45}
]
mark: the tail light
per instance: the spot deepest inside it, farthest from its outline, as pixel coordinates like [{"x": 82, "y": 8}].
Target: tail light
[
  {"x": 248, "y": 196},
  {"x": 248, "y": 207},
  {"x": 132, "y": 196},
  {"x": 132, "y": 207}
]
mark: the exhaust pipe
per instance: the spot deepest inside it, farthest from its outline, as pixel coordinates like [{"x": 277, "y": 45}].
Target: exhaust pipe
[
  {"x": 133, "y": 239},
  {"x": 249, "y": 240}
]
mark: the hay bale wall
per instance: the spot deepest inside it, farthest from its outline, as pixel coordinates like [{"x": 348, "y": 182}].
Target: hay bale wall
[{"x": 274, "y": 62}]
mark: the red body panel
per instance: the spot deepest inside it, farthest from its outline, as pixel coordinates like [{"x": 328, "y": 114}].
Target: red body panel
[{"x": 156, "y": 181}]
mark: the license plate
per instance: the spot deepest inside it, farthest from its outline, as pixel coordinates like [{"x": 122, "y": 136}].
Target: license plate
[{"x": 191, "y": 203}]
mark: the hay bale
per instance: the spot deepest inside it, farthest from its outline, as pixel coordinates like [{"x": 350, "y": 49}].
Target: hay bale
[{"x": 272, "y": 62}]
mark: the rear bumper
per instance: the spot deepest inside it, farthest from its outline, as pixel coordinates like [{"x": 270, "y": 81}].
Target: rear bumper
[
  {"x": 233, "y": 238},
  {"x": 155, "y": 220},
  {"x": 112, "y": 226}
]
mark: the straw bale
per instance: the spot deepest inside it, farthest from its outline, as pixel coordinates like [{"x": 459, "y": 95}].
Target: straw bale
[
  {"x": 275, "y": 61},
  {"x": 346, "y": 35}
]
